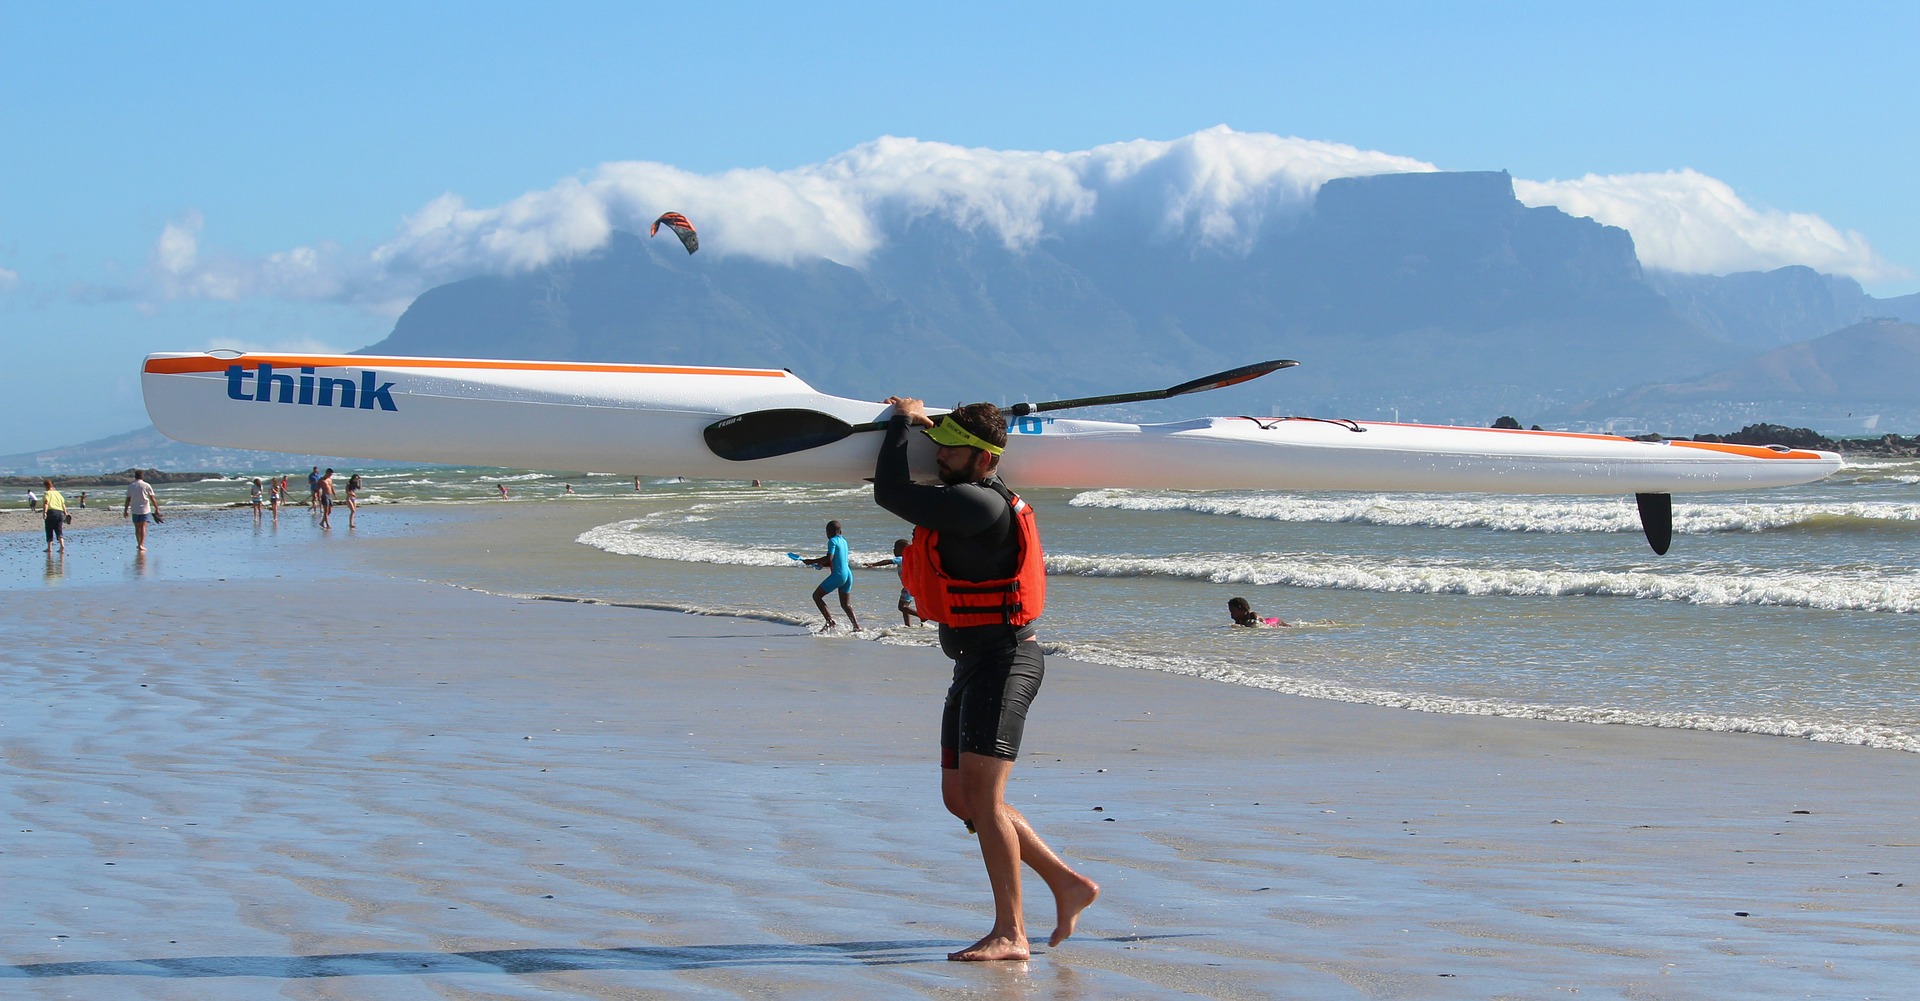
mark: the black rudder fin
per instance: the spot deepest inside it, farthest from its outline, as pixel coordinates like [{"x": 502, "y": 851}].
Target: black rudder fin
[{"x": 1656, "y": 519}]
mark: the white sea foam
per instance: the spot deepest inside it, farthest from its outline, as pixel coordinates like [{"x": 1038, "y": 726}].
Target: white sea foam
[
  {"x": 1840, "y": 589},
  {"x": 627, "y": 538},
  {"x": 1551, "y": 515},
  {"x": 1891, "y": 738}
]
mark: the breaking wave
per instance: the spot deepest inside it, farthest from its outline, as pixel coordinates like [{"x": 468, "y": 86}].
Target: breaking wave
[{"x": 1556, "y": 515}]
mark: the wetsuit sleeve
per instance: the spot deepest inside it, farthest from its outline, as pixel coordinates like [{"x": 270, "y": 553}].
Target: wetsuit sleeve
[
  {"x": 964, "y": 510},
  {"x": 967, "y": 509}
]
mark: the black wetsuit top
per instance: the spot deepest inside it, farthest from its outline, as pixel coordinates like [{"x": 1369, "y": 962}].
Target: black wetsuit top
[{"x": 997, "y": 671}]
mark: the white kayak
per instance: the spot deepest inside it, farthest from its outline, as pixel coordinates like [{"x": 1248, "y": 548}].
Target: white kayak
[{"x": 655, "y": 420}]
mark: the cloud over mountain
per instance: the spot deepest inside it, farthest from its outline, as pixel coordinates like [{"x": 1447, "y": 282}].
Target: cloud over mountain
[
  {"x": 1683, "y": 220},
  {"x": 1214, "y": 190}
]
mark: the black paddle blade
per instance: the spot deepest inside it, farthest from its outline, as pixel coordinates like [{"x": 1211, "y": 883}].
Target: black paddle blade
[
  {"x": 1656, "y": 519},
  {"x": 764, "y": 434},
  {"x": 1232, "y": 377}
]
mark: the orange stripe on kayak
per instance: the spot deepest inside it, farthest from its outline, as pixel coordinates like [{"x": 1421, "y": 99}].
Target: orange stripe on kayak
[
  {"x": 1750, "y": 451},
  {"x": 1747, "y": 451},
  {"x": 214, "y": 363}
]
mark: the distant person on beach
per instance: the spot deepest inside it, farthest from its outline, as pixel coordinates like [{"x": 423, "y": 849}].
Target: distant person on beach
[
  {"x": 276, "y": 495},
  {"x": 324, "y": 491},
  {"x": 141, "y": 505},
  {"x": 55, "y": 506},
  {"x": 1243, "y": 615},
  {"x": 907, "y": 612},
  {"x": 353, "y": 498},
  {"x": 975, "y": 567},
  {"x": 313, "y": 488},
  {"x": 636, "y": 484},
  {"x": 33, "y": 500},
  {"x": 503, "y": 489},
  {"x": 258, "y": 495},
  {"x": 839, "y": 576},
  {"x": 569, "y": 488},
  {"x": 83, "y": 498}
]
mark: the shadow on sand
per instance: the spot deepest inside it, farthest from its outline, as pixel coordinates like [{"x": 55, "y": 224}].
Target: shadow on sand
[{"x": 507, "y": 961}]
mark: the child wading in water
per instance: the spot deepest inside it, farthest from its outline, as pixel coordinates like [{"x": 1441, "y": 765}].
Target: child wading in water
[{"x": 839, "y": 576}]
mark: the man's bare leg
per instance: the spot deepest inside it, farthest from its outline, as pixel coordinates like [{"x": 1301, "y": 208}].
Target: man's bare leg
[
  {"x": 982, "y": 788},
  {"x": 1072, "y": 892},
  {"x": 820, "y": 602}
]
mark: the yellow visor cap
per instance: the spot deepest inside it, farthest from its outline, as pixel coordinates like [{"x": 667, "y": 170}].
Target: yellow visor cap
[{"x": 947, "y": 432}]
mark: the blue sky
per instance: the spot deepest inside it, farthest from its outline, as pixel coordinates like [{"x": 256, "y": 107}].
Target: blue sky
[{"x": 271, "y": 136}]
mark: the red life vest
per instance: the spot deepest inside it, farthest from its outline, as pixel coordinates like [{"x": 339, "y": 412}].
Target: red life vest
[{"x": 1016, "y": 600}]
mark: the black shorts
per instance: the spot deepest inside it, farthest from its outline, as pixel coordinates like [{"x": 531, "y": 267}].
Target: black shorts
[{"x": 996, "y": 673}]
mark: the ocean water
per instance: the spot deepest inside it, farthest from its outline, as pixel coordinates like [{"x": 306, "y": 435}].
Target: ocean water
[{"x": 1793, "y": 612}]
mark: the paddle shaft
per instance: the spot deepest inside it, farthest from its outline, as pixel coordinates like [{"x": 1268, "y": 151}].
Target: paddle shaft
[
  {"x": 1217, "y": 381},
  {"x": 763, "y": 434}
]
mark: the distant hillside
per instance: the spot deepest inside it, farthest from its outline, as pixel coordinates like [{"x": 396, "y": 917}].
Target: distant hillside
[
  {"x": 147, "y": 448},
  {"x": 1767, "y": 309},
  {"x": 1870, "y": 368}
]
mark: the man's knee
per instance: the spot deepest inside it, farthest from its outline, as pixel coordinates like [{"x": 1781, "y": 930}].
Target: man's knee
[
  {"x": 952, "y": 795},
  {"x": 982, "y": 781}
]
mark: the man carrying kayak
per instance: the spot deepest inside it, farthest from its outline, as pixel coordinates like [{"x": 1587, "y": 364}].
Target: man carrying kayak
[{"x": 975, "y": 567}]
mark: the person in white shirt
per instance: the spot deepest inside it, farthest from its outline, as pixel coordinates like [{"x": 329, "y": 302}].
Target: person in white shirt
[{"x": 141, "y": 504}]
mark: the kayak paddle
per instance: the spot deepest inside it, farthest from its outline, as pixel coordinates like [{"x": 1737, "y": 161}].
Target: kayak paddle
[{"x": 763, "y": 434}]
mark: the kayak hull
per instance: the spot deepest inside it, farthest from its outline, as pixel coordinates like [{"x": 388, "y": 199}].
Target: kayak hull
[{"x": 650, "y": 419}]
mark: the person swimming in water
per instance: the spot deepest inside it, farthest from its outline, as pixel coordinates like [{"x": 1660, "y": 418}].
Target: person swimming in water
[{"x": 1243, "y": 615}]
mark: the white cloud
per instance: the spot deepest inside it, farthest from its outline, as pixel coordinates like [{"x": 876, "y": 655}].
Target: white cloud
[
  {"x": 1216, "y": 188},
  {"x": 1217, "y": 185},
  {"x": 9, "y": 280},
  {"x": 178, "y": 248},
  {"x": 180, "y": 271},
  {"x": 1683, "y": 220}
]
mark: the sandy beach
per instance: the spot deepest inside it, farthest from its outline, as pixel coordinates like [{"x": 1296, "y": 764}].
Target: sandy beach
[{"x": 341, "y": 780}]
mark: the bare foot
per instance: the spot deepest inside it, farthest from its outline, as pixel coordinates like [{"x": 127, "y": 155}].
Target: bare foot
[
  {"x": 1069, "y": 903},
  {"x": 994, "y": 948}
]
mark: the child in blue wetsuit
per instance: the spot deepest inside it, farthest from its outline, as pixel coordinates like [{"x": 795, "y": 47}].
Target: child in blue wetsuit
[{"x": 839, "y": 576}]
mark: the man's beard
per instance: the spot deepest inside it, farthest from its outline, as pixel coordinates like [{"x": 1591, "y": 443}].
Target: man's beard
[{"x": 954, "y": 476}]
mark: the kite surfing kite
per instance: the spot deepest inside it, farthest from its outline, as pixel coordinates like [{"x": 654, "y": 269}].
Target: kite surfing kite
[{"x": 681, "y": 228}]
